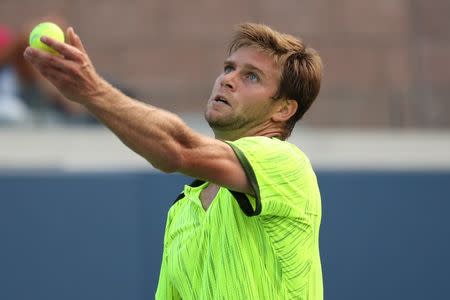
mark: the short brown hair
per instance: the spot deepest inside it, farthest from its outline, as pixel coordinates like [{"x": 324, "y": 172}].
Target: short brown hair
[{"x": 301, "y": 66}]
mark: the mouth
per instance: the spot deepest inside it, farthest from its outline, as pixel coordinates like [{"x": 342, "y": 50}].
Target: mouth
[{"x": 221, "y": 99}]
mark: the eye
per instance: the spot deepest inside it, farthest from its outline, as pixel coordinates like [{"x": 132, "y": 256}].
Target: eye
[
  {"x": 227, "y": 69},
  {"x": 252, "y": 77}
]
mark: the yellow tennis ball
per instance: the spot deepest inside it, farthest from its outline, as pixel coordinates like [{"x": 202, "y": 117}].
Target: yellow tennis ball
[{"x": 48, "y": 29}]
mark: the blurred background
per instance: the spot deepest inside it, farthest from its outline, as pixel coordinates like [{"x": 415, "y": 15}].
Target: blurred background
[{"x": 81, "y": 216}]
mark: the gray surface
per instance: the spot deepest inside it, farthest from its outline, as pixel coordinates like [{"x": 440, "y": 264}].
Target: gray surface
[{"x": 95, "y": 148}]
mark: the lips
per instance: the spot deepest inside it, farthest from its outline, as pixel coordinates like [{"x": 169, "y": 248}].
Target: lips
[{"x": 221, "y": 99}]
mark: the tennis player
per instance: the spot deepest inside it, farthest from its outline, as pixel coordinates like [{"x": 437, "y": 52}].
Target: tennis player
[{"x": 248, "y": 226}]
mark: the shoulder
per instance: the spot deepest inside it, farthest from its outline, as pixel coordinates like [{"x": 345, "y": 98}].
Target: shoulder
[
  {"x": 268, "y": 150},
  {"x": 279, "y": 172}
]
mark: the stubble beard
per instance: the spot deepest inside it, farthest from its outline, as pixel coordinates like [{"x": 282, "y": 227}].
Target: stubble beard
[{"x": 226, "y": 123}]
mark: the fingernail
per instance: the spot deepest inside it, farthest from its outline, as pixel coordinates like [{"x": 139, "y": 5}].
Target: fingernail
[
  {"x": 44, "y": 39},
  {"x": 27, "y": 51}
]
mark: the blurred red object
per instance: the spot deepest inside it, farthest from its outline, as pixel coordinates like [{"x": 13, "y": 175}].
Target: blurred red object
[{"x": 6, "y": 36}]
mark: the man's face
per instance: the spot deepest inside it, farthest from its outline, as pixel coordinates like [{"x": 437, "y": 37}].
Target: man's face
[{"x": 241, "y": 99}]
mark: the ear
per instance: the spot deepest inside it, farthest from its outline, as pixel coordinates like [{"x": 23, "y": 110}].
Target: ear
[{"x": 285, "y": 110}]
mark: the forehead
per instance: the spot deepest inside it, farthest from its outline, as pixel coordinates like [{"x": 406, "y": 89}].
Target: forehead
[{"x": 258, "y": 59}]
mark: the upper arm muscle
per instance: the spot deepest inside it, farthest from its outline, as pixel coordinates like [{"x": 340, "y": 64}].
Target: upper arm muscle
[{"x": 214, "y": 161}]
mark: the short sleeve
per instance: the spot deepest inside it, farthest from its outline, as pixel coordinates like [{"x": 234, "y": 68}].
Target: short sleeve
[{"x": 279, "y": 173}]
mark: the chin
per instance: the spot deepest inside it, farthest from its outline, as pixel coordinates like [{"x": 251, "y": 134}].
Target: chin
[
  {"x": 213, "y": 116},
  {"x": 215, "y": 121},
  {"x": 220, "y": 121}
]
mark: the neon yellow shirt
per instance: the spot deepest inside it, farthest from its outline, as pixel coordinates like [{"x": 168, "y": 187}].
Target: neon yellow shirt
[{"x": 245, "y": 247}]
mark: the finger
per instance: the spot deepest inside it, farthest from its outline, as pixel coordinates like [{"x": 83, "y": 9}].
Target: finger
[
  {"x": 69, "y": 51},
  {"x": 75, "y": 39},
  {"x": 56, "y": 77},
  {"x": 69, "y": 37},
  {"x": 41, "y": 59}
]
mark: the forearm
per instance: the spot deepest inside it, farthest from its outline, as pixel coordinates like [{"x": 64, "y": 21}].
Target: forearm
[
  {"x": 159, "y": 136},
  {"x": 153, "y": 133}
]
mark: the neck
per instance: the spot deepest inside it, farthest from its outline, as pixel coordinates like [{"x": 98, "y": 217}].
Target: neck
[{"x": 236, "y": 134}]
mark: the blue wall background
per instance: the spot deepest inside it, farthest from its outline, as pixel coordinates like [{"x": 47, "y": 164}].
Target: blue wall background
[{"x": 384, "y": 235}]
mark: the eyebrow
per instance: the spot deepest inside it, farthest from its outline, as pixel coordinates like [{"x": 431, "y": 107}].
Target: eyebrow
[{"x": 246, "y": 66}]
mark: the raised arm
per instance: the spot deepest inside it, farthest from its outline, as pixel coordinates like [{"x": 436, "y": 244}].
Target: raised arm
[{"x": 159, "y": 136}]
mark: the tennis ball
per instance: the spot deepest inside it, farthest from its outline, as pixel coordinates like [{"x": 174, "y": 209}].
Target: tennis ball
[{"x": 48, "y": 29}]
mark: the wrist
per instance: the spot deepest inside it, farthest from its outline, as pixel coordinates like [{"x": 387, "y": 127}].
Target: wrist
[{"x": 100, "y": 93}]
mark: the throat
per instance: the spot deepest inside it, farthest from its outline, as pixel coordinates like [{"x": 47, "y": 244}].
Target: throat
[{"x": 208, "y": 194}]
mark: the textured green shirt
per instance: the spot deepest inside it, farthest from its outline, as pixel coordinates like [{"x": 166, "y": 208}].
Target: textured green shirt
[{"x": 245, "y": 247}]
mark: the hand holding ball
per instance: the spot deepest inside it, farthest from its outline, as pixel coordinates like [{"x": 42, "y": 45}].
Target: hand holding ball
[{"x": 46, "y": 29}]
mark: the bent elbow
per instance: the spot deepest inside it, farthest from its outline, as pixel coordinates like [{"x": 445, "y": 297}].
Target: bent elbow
[
  {"x": 166, "y": 168},
  {"x": 170, "y": 164}
]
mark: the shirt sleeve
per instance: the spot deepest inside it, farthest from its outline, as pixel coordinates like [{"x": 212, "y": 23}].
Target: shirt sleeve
[{"x": 280, "y": 176}]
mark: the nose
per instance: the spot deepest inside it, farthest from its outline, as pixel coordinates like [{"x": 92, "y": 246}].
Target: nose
[{"x": 228, "y": 81}]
